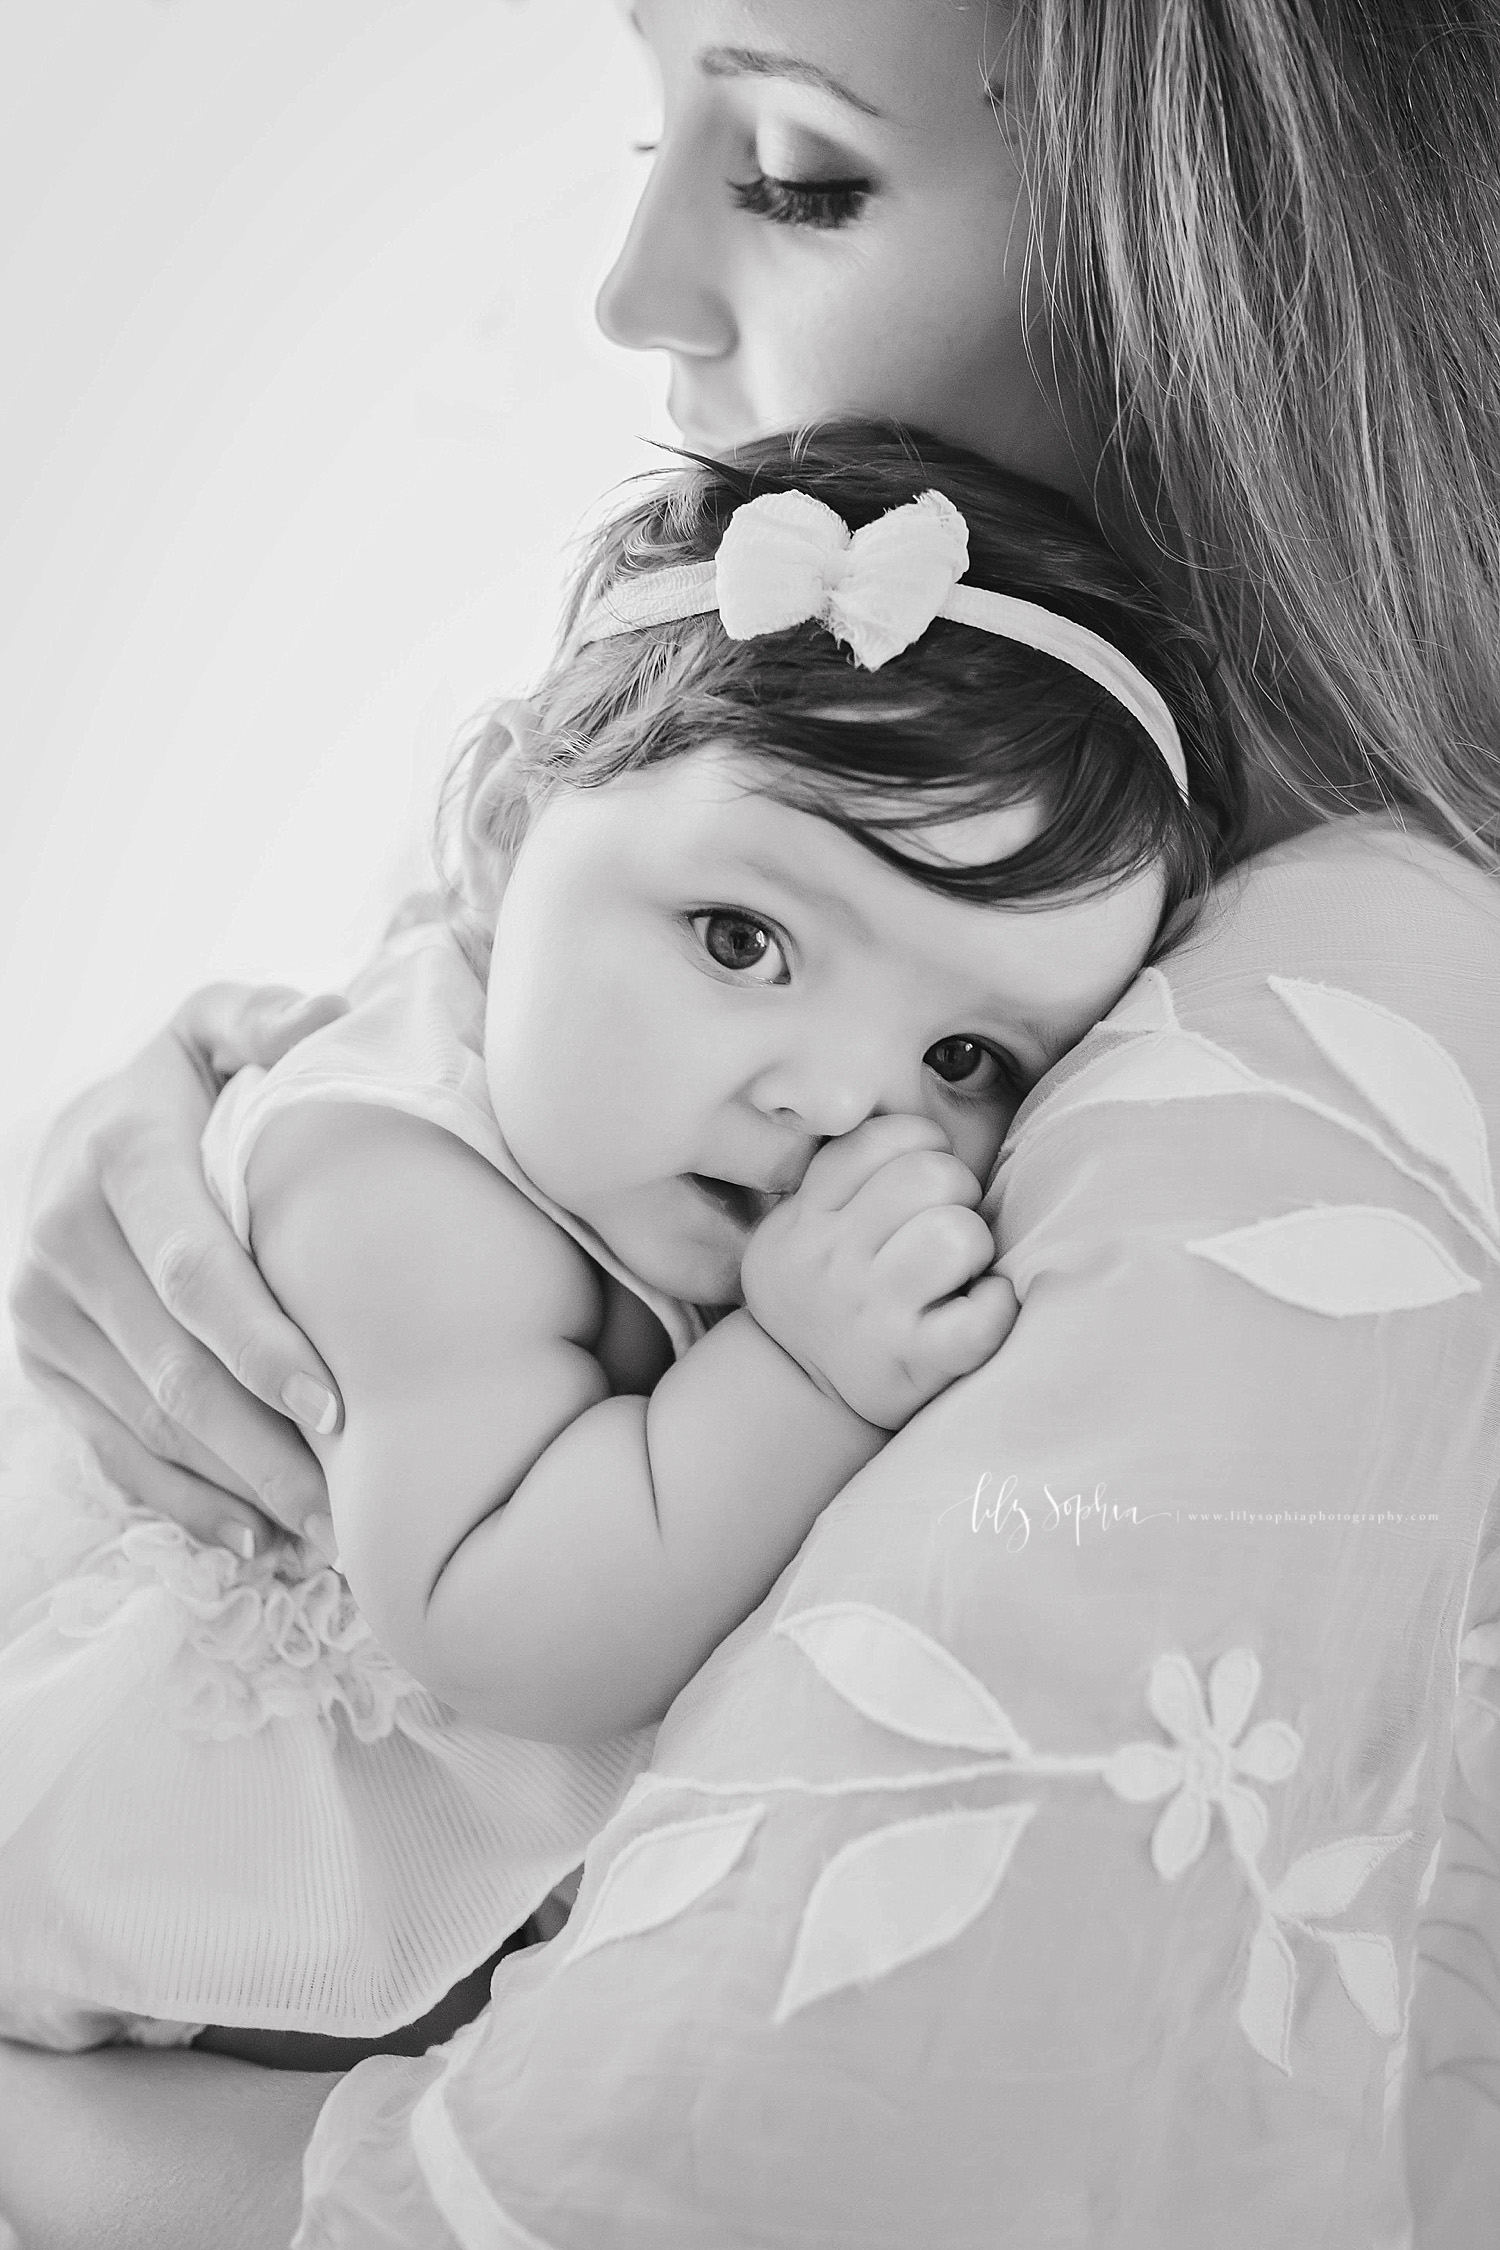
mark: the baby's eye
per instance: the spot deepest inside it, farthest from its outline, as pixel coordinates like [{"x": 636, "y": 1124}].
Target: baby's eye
[
  {"x": 743, "y": 944},
  {"x": 970, "y": 1066}
]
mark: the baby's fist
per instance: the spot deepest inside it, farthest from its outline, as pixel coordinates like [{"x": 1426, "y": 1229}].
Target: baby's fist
[{"x": 875, "y": 1275}]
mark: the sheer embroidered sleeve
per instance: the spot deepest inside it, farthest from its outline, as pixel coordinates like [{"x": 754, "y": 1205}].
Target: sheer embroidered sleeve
[{"x": 1045, "y": 1864}]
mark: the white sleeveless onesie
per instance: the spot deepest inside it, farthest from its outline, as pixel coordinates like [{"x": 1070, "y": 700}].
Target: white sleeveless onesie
[{"x": 220, "y": 1801}]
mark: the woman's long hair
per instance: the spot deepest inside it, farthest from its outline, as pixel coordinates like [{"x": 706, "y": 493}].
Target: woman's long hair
[{"x": 1276, "y": 279}]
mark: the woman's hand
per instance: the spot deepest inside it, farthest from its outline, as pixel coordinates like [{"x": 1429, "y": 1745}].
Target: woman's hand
[
  {"x": 875, "y": 1275},
  {"x": 137, "y": 1311}
]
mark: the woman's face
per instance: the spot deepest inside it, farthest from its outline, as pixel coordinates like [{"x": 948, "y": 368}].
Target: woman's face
[{"x": 835, "y": 222}]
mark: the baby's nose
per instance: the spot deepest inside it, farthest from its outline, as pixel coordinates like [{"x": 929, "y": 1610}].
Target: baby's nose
[
  {"x": 831, "y": 1111},
  {"x": 829, "y": 1093}
]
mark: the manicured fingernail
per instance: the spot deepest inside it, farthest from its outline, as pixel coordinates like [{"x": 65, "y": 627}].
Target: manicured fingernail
[
  {"x": 313, "y": 1405},
  {"x": 238, "y": 1538},
  {"x": 318, "y": 1532}
]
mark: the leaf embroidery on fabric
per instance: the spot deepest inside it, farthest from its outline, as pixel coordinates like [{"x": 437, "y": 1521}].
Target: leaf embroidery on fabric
[
  {"x": 1210, "y": 1766},
  {"x": 1404, "y": 1795},
  {"x": 660, "y": 1874},
  {"x": 1165, "y": 1066},
  {"x": 1328, "y": 1880},
  {"x": 1266, "y": 2003},
  {"x": 1341, "y": 1259},
  {"x": 895, "y": 1894},
  {"x": 906, "y": 1888},
  {"x": 1405, "y": 1074},
  {"x": 900, "y": 1677},
  {"x": 1322, "y": 1882},
  {"x": 1367, "y": 1966},
  {"x": 1395, "y": 2083},
  {"x": 1147, "y": 1006}
]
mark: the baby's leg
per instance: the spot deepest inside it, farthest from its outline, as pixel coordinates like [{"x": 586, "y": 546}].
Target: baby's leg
[{"x": 123, "y": 2150}]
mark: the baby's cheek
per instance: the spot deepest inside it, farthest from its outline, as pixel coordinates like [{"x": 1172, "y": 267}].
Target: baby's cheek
[{"x": 977, "y": 1136}]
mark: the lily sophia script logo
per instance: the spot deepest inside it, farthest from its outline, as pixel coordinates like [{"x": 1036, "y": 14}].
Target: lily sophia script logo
[{"x": 1000, "y": 1510}]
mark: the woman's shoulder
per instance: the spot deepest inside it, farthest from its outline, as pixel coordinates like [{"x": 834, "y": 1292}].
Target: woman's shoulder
[
  {"x": 1347, "y": 886},
  {"x": 1380, "y": 911}
]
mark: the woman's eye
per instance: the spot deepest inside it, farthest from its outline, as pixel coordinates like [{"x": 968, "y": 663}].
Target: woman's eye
[
  {"x": 970, "y": 1066},
  {"x": 743, "y": 944},
  {"x": 801, "y": 203}
]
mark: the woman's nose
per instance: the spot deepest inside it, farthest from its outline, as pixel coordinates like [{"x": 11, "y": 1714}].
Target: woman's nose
[{"x": 662, "y": 292}]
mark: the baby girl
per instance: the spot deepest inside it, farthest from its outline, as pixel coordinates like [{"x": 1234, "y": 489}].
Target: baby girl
[{"x": 633, "y": 1204}]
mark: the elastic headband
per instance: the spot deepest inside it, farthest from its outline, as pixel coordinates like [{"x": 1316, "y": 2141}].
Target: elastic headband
[{"x": 787, "y": 559}]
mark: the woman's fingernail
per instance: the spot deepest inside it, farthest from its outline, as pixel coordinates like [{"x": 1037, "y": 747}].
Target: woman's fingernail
[
  {"x": 319, "y": 1532},
  {"x": 313, "y": 1405},
  {"x": 238, "y": 1538}
]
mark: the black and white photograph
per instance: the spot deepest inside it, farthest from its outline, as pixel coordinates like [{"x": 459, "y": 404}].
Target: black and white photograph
[{"x": 749, "y": 1089}]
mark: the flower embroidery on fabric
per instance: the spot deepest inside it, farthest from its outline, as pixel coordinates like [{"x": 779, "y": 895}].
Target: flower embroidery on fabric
[
  {"x": 1210, "y": 1765},
  {"x": 908, "y": 1887}
]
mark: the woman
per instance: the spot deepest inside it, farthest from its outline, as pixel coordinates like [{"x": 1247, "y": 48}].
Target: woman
[{"x": 1263, "y": 338}]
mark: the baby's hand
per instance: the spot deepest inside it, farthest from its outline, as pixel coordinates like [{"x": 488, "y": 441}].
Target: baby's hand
[{"x": 874, "y": 1275}]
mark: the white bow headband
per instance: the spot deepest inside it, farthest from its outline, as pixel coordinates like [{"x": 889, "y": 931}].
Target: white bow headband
[{"x": 786, "y": 559}]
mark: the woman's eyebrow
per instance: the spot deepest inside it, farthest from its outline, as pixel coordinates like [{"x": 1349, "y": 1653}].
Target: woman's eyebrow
[{"x": 756, "y": 62}]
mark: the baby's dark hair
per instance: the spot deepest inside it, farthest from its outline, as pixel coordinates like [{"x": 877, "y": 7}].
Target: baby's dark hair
[{"x": 959, "y": 723}]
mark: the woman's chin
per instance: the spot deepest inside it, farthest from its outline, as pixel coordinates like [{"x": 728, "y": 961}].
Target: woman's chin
[
  {"x": 701, "y": 430},
  {"x": 712, "y": 444}
]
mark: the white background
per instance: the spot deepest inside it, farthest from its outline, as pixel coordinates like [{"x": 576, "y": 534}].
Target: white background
[{"x": 300, "y": 400}]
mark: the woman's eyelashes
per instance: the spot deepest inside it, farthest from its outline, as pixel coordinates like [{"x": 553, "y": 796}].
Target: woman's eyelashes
[
  {"x": 802, "y": 203},
  {"x": 743, "y": 944},
  {"x": 792, "y": 187}
]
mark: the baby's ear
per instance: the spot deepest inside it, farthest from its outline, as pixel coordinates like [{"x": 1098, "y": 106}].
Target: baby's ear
[{"x": 492, "y": 801}]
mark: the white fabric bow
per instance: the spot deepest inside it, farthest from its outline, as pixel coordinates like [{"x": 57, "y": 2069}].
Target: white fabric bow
[{"x": 787, "y": 559}]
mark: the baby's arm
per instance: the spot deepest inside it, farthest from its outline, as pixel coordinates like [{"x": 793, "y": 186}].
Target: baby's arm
[{"x": 546, "y": 1557}]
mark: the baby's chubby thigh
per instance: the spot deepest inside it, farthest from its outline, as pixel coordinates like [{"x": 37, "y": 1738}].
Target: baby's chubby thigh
[{"x": 140, "y": 2151}]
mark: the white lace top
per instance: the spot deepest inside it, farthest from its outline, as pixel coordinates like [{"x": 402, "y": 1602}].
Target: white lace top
[
  {"x": 220, "y": 1800},
  {"x": 413, "y": 1041}
]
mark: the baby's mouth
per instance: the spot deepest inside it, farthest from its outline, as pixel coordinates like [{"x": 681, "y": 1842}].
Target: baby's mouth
[{"x": 747, "y": 1206}]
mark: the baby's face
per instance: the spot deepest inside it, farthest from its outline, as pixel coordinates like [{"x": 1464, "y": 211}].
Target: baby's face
[{"x": 694, "y": 986}]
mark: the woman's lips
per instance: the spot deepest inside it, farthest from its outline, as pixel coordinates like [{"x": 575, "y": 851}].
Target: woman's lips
[{"x": 710, "y": 433}]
